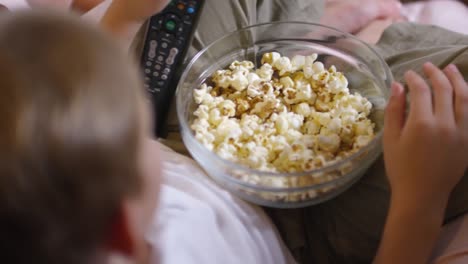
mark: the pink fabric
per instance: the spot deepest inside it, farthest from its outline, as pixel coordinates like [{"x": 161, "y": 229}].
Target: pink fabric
[{"x": 449, "y": 14}]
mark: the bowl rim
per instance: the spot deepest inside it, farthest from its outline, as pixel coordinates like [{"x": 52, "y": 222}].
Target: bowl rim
[{"x": 333, "y": 165}]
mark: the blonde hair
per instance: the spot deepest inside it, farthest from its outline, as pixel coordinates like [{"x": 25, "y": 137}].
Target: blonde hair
[{"x": 70, "y": 128}]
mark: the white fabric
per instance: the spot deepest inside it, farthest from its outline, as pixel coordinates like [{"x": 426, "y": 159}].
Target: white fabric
[
  {"x": 449, "y": 14},
  {"x": 198, "y": 222},
  {"x": 14, "y": 4}
]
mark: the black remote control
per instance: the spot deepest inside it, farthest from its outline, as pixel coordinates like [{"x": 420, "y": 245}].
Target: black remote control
[{"x": 167, "y": 41}]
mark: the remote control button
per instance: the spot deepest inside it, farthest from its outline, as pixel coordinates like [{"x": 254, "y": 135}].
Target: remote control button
[
  {"x": 147, "y": 71},
  {"x": 172, "y": 16},
  {"x": 169, "y": 61},
  {"x": 191, "y": 10},
  {"x": 160, "y": 83},
  {"x": 148, "y": 63},
  {"x": 160, "y": 58},
  {"x": 147, "y": 79},
  {"x": 155, "y": 74},
  {"x": 157, "y": 67},
  {"x": 152, "y": 49},
  {"x": 155, "y": 90},
  {"x": 164, "y": 77},
  {"x": 180, "y": 42},
  {"x": 174, "y": 51},
  {"x": 164, "y": 45},
  {"x": 170, "y": 25},
  {"x": 166, "y": 71},
  {"x": 181, "y": 6},
  {"x": 180, "y": 29}
]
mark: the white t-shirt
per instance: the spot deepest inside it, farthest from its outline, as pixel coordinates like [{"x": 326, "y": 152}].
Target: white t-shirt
[{"x": 198, "y": 222}]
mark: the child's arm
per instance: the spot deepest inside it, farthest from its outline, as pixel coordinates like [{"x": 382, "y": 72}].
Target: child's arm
[
  {"x": 84, "y": 6},
  {"x": 425, "y": 154},
  {"x": 123, "y": 16}
]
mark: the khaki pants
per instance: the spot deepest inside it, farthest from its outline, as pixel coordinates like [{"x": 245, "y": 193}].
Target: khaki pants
[{"x": 346, "y": 229}]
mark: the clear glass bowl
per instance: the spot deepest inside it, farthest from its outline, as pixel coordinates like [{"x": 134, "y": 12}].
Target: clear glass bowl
[{"x": 366, "y": 71}]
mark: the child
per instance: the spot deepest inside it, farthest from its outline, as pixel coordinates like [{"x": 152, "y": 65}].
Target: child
[
  {"x": 79, "y": 176},
  {"x": 64, "y": 205},
  {"x": 74, "y": 178}
]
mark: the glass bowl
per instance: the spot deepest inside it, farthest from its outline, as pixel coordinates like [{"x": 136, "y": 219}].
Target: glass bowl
[{"x": 365, "y": 70}]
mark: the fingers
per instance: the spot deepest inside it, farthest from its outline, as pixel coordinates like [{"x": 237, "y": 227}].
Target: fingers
[
  {"x": 460, "y": 89},
  {"x": 443, "y": 93},
  {"x": 420, "y": 97},
  {"x": 373, "y": 31},
  {"x": 394, "y": 114},
  {"x": 85, "y": 5}
]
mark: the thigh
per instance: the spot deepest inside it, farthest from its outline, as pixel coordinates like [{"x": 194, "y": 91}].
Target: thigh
[{"x": 221, "y": 17}]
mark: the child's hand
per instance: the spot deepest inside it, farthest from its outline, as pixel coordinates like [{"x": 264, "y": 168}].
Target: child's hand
[
  {"x": 138, "y": 10},
  {"x": 124, "y": 17},
  {"x": 426, "y": 153}
]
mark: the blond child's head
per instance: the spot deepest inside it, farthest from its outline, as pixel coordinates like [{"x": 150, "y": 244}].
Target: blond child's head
[{"x": 74, "y": 180}]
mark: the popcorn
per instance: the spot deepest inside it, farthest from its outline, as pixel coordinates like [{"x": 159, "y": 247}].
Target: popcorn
[
  {"x": 287, "y": 82},
  {"x": 288, "y": 115},
  {"x": 270, "y": 58},
  {"x": 239, "y": 81},
  {"x": 200, "y": 95},
  {"x": 311, "y": 127},
  {"x": 202, "y": 112},
  {"x": 283, "y": 65},
  {"x": 228, "y": 128},
  {"x": 303, "y": 109},
  {"x": 298, "y": 62},
  {"x": 214, "y": 117},
  {"x": 226, "y": 151},
  {"x": 242, "y": 66},
  {"x": 282, "y": 125},
  {"x": 329, "y": 143},
  {"x": 362, "y": 141},
  {"x": 227, "y": 108},
  {"x": 335, "y": 125},
  {"x": 265, "y": 72},
  {"x": 253, "y": 78},
  {"x": 364, "y": 128}
]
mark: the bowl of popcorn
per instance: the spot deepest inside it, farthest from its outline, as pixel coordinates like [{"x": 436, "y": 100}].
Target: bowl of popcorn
[{"x": 284, "y": 114}]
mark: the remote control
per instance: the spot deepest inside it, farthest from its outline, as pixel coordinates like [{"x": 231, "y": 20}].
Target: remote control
[{"x": 167, "y": 40}]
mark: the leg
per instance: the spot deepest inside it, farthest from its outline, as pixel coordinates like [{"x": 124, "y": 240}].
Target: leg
[{"x": 221, "y": 17}]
